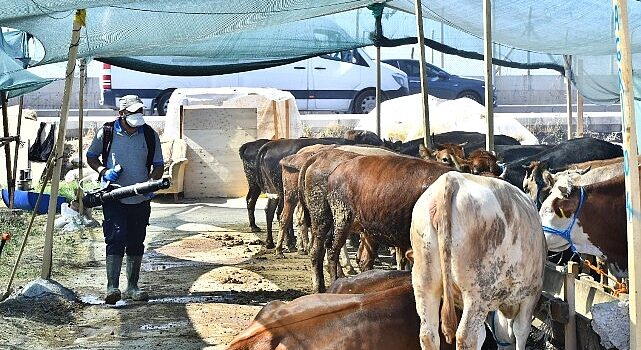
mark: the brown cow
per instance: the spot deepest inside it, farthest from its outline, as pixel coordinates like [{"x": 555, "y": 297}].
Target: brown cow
[
  {"x": 376, "y": 194},
  {"x": 481, "y": 161},
  {"x": 291, "y": 166},
  {"x": 448, "y": 153},
  {"x": 373, "y": 321},
  {"x": 377, "y": 307}
]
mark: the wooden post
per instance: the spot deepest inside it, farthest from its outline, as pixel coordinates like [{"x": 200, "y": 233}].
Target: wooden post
[
  {"x": 7, "y": 146},
  {"x": 81, "y": 104},
  {"x": 78, "y": 23},
  {"x": 569, "y": 296},
  {"x": 580, "y": 122},
  {"x": 427, "y": 140},
  {"x": 287, "y": 121},
  {"x": 15, "y": 154},
  {"x": 568, "y": 93},
  {"x": 630, "y": 168},
  {"x": 276, "y": 121},
  {"x": 379, "y": 96},
  {"x": 489, "y": 107}
]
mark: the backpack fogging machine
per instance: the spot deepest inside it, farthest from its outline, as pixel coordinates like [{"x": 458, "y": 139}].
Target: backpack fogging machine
[{"x": 113, "y": 192}]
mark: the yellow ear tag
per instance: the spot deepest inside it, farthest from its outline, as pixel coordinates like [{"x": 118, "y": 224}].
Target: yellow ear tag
[{"x": 562, "y": 213}]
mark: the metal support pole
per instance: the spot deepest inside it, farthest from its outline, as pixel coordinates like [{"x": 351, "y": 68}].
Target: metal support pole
[
  {"x": 427, "y": 140},
  {"x": 15, "y": 154},
  {"x": 489, "y": 107},
  {"x": 7, "y": 146},
  {"x": 630, "y": 168},
  {"x": 377, "y": 11},
  {"x": 78, "y": 23},
  {"x": 379, "y": 96},
  {"x": 580, "y": 122},
  {"x": 81, "y": 105},
  {"x": 568, "y": 93}
]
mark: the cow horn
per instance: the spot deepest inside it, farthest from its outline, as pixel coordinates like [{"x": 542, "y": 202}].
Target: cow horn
[
  {"x": 582, "y": 172},
  {"x": 504, "y": 169}
]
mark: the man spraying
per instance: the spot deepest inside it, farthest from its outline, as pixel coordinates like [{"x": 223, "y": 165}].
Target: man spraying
[{"x": 125, "y": 152}]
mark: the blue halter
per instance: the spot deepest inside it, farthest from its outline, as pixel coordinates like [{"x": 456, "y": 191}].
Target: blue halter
[{"x": 566, "y": 234}]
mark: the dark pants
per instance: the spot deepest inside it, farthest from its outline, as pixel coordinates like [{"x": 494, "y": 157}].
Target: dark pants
[{"x": 125, "y": 227}]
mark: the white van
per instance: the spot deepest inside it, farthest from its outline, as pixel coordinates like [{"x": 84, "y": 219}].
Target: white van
[{"x": 344, "y": 81}]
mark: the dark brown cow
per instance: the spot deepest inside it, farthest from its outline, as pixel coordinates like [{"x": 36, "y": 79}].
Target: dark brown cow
[
  {"x": 376, "y": 194},
  {"x": 248, "y": 153},
  {"x": 291, "y": 167},
  {"x": 270, "y": 176},
  {"x": 600, "y": 228}
]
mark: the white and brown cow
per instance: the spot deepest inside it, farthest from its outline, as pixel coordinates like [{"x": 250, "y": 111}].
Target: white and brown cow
[
  {"x": 477, "y": 243},
  {"x": 592, "y": 217}
]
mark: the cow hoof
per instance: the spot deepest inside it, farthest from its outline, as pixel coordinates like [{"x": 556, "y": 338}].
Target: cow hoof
[
  {"x": 270, "y": 245},
  {"x": 292, "y": 249},
  {"x": 256, "y": 229},
  {"x": 302, "y": 252},
  {"x": 280, "y": 255},
  {"x": 352, "y": 272}
]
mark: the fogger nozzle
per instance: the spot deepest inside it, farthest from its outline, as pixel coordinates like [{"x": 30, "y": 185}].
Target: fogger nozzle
[{"x": 100, "y": 197}]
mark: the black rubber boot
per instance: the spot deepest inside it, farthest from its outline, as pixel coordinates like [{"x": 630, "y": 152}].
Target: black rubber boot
[
  {"x": 133, "y": 274},
  {"x": 114, "y": 264}
]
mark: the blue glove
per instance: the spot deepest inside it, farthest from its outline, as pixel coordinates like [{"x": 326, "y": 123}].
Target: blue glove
[{"x": 111, "y": 175}]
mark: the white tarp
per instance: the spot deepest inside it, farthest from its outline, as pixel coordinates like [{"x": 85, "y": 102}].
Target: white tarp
[
  {"x": 275, "y": 108},
  {"x": 402, "y": 119}
]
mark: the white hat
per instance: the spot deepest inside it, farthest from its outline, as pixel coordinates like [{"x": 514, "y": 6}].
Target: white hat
[{"x": 131, "y": 103}]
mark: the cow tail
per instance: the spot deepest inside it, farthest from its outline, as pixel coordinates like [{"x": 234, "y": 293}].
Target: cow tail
[
  {"x": 449, "y": 321},
  {"x": 259, "y": 168}
]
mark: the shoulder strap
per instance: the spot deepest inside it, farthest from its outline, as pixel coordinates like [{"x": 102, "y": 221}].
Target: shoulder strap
[
  {"x": 150, "y": 139},
  {"x": 107, "y": 138}
]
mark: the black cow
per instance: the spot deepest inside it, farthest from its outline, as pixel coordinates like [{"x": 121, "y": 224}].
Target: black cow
[
  {"x": 513, "y": 153},
  {"x": 248, "y": 153},
  {"x": 270, "y": 171},
  {"x": 472, "y": 140},
  {"x": 577, "y": 150}
]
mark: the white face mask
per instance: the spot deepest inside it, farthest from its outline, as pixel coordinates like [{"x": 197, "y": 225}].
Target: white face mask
[{"x": 135, "y": 120}]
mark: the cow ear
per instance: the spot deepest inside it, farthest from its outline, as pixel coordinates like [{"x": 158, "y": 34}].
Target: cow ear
[
  {"x": 544, "y": 166},
  {"x": 424, "y": 152},
  {"x": 409, "y": 255}
]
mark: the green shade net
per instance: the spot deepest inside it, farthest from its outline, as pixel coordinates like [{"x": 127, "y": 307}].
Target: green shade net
[
  {"x": 203, "y": 37},
  {"x": 14, "y": 79}
]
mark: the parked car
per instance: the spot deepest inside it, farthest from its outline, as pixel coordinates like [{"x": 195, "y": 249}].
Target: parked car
[
  {"x": 441, "y": 84},
  {"x": 344, "y": 81}
]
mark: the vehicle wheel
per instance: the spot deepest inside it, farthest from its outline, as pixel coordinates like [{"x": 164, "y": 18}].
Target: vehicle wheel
[
  {"x": 471, "y": 95},
  {"x": 364, "y": 102},
  {"x": 162, "y": 101}
]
